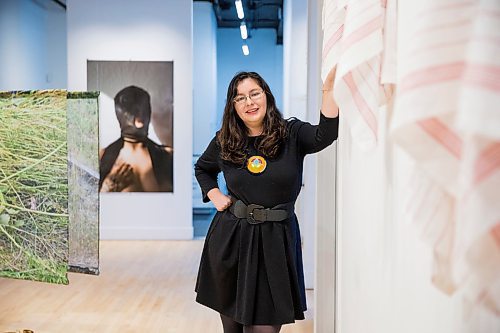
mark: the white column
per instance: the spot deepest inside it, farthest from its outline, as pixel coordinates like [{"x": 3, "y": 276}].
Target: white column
[
  {"x": 321, "y": 194},
  {"x": 204, "y": 74},
  {"x": 204, "y": 85},
  {"x": 295, "y": 32}
]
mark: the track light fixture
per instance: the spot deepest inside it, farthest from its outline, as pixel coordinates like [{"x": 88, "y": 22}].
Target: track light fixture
[
  {"x": 239, "y": 9},
  {"x": 245, "y": 49}
]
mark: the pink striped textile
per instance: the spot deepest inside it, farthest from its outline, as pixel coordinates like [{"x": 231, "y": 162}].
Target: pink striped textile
[
  {"x": 355, "y": 35},
  {"x": 447, "y": 117}
]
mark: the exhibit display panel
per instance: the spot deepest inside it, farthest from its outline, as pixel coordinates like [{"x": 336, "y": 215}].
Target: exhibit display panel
[
  {"x": 34, "y": 186},
  {"x": 83, "y": 181},
  {"x": 49, "y": 176}
]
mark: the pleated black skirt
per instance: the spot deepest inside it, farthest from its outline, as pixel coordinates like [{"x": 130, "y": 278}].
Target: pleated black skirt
[{"x": 252, "y": 273}]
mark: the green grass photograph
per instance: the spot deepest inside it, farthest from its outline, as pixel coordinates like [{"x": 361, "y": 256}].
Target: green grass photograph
[{"x": 34, "y": 186}]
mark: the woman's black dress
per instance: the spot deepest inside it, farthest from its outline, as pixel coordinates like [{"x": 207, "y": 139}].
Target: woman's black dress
[{"x": 253, "y": 273}]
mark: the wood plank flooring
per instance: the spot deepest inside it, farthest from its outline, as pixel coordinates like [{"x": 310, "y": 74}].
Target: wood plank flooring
[{"x": 144, "y": 286}]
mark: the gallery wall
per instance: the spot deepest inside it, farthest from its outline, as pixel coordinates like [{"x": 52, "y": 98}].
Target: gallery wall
[
  {"x": 32, "y": 45},
  {"x": 153, "y": 30}
]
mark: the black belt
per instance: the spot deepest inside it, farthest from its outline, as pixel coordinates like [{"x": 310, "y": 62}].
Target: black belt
[{"x": 256, "y": 214}]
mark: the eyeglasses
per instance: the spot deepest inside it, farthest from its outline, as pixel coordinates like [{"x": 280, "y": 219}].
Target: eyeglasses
[{"x": 254, "y": 96}]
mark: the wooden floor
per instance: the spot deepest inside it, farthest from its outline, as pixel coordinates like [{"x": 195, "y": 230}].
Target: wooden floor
[{"x": 144, "y": 286}]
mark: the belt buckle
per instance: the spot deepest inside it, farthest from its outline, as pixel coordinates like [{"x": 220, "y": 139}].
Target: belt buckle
[{"x": 250, "y": 214}]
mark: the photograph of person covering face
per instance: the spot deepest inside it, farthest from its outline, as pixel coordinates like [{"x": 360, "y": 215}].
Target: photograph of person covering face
[{"x": 136, "y": 153}]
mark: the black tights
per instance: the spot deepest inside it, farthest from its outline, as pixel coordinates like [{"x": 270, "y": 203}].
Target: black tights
[{"x": 230, "y": 326}]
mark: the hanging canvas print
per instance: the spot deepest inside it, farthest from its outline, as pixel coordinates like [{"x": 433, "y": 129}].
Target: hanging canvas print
[
  {"x": 83, "y": 181},
  {"x": 33, "y": 186},
  {"x": 136, "y": 124}
]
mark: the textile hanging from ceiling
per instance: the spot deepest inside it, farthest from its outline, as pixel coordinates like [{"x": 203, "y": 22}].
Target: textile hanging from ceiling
[
  {"x": 83, "y": 181},
  {"x": 34, "y": 186},
  {"x": 359, "y": 39},
  {"x": 49, "y": 175},
  {"x": 446, "y": 117}
]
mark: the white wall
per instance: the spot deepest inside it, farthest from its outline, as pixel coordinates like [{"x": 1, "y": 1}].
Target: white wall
[
  {"x": 32, "y": 45},
  {"x": 265, "y": 58},
  {"x": 152, "y": 30}
]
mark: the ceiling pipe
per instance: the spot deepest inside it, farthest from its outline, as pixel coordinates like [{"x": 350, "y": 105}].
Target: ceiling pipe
[{"x": 60, "y": 4}]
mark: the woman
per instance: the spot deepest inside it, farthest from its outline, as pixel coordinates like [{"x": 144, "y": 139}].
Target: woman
[{"x": 251, "y": 266}]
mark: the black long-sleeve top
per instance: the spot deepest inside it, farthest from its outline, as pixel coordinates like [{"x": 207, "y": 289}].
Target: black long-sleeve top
[{"x": 281, "y": 180}]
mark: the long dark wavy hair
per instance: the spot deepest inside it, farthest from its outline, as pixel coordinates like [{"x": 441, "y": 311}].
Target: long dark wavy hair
[{"x": 233, "y": 135}]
